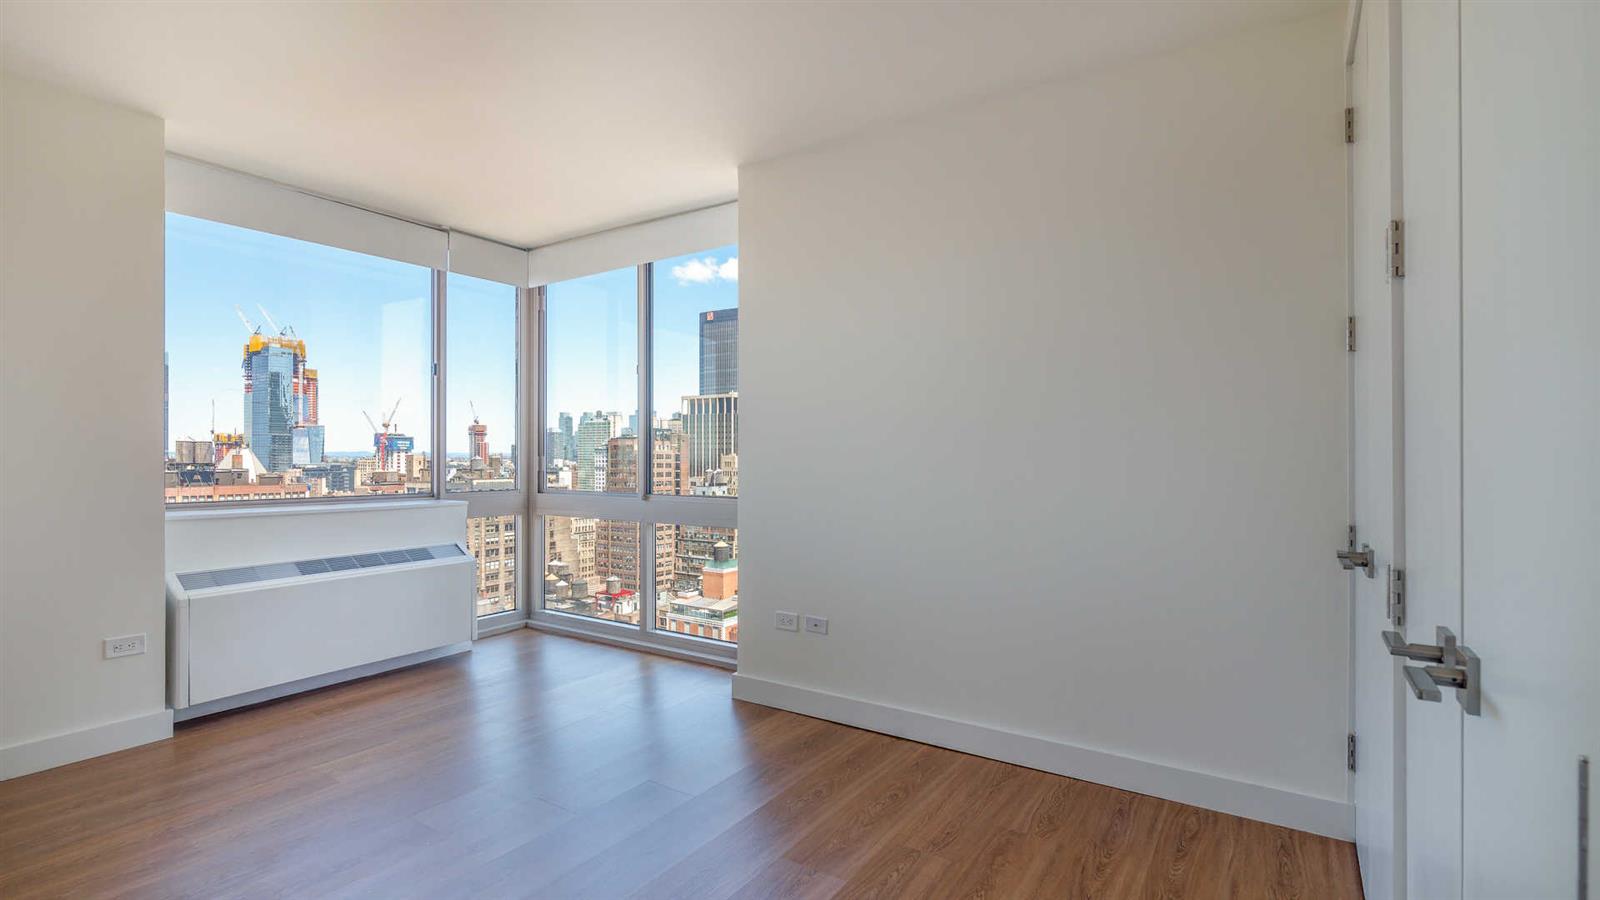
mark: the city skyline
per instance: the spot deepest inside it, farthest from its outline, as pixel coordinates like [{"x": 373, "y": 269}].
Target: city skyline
[{"x": 365, "y": 322}]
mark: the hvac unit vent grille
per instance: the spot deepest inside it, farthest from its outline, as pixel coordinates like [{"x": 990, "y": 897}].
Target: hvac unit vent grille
[{"x": 194, "y": 581}]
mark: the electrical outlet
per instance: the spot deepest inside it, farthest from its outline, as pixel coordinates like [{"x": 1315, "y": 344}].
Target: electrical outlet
[
  {"x": 788, "y": 621},
  {"x": 127, "y": 645},
  {"x": 816, "y": 625}
]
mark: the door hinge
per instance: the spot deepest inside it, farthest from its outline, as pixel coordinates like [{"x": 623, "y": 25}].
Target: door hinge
[
  {"x": 1350, "y": 751},
  {"x": 1397, "y": 248},
  {"x": 1350, "y": 334},
  {"x": 1397, "y": 596},
  {"x": 1349, "y": 124}
]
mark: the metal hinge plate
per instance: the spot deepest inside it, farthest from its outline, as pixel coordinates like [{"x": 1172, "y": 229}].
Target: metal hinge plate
[
  {"x": 1350, "y": 334},
  {"x": 1349, "y": 124},
  {"x": 1397, "y": 596},
  {"x": 1350, "y": 751},
  {"x": 1397, "y": 248}
]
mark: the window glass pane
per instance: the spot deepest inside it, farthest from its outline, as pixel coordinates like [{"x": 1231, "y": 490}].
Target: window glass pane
[
  {"x": 592, "y": 568},
  {"x": 695, "y": 330},
  {"x": 698, "y": 593},
  {"x": 493, "y": 542},
  {"x": 592, "y": 381},
  {"x": 294, "y": 370},
  {"x": 481, "y": 384}
]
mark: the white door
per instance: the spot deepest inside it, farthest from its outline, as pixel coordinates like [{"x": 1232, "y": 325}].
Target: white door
[
  {"x": 1377, "y": 706},
  {"x": 1530, "y": 138},
  {"x": 1431, "y": 174}
]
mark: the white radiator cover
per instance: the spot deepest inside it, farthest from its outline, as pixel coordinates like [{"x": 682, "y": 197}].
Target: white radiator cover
[{"x": 237, "y": 643}]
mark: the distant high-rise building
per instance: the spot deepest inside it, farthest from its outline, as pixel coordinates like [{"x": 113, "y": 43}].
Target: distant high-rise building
[
  {"x": 566, "y": 448},
  {"x": 307, "y": 445},
  {"x": 711, "y": 427},
  {"x": 339, "y": 478},
  {"x": 308, "y": 398},
  {"x": 226, "y": 442},
  {"x": 552, "y": 445},
  {"x": 274, "y": 372},
  {"x": 393, "y": 451},
  {"x": 594, "y": 431},
  {"x": 719, "y": 351},
  {"x": 478, "y": 441},
  {"x": 493, "y": 543}
]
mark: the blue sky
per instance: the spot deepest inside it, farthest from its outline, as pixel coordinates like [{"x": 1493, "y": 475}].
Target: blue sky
[
  {"x": 365, "y": 321},
  {"x": 592, "y": 333},
  {"x": 593, "y": 340}
]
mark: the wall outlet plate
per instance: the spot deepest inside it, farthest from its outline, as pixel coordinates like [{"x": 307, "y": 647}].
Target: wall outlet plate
[
  {"x": 788, "y": 621},
  {"x": 816, "y": 625},
  {"x": 127, "y": 645}
]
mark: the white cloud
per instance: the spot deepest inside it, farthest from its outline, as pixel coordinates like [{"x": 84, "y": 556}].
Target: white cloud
[{"x": 706, "y": 271}]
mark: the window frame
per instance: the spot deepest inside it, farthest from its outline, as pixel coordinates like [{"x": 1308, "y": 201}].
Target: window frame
[
  {"x": 204, "y": 191},
  {"x": 516, "y": 501},
  {"x": 436, "y": 307},
  {"x": 642, "y": 506},
  {"x": 513, "y": 502}
]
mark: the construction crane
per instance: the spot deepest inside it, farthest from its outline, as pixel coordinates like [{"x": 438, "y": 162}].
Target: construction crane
[
  {"x": 380, "y": 437},
  {"x": 268, "y": 316},
  {"x": 474, "y": 408},
  {"x": 249, "y": 326}
]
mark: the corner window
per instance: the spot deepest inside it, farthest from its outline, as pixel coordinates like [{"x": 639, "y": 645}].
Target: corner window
[{"x": 641, "y": 455}]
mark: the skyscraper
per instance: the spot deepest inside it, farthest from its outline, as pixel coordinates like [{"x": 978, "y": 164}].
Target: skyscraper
[
  {"x": 274, "y": 369},
  {"x": 719, "y": 351},
  {"x": 711, "y": 426},
  {"x": 565, "y": 448},
  {"x": 308, "y": 397},
  {"x": 478, "y": 441},
  {"x": 594, "y": 431}
]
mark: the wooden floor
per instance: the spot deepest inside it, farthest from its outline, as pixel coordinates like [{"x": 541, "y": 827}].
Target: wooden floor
[{"x": 541, "y": 766}]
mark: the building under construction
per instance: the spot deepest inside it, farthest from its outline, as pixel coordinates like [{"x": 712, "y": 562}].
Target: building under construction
[{"x": 280, "y": 402}]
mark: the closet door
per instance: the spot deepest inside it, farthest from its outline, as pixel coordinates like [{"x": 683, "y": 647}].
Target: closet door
[{"x": 1530, "y": 138}]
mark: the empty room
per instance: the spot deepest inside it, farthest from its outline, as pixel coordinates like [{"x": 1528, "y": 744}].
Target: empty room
[{"x": 712, "y": 450}]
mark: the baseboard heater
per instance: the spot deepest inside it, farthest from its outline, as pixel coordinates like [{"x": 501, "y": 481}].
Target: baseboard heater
[{"x": 245, "y": 634}]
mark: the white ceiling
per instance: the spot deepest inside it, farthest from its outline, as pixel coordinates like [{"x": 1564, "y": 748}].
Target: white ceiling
[{"x": 529, "y": 123}]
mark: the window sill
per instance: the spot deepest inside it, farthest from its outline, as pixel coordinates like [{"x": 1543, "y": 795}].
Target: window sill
[{"x": 304, "y": 508}]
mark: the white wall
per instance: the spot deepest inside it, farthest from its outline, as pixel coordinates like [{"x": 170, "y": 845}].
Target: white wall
[
  {"x": 1045, "y": 409},
  {"x": 80, "y": 392}
]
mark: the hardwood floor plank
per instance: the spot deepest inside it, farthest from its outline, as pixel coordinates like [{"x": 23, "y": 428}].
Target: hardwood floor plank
[{"x": 541, "y": 766}]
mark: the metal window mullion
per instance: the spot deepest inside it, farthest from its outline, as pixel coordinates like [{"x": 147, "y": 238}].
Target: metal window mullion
[
  {"x": 647, "y": 576},
  {"x": 647, "y": 532},
  {"x": 535, "y": 530},
  {"x": 519, "y": 418},
  {"x": 646, "y": 406},
  {"x": 541, "y": 376},
  {"x": 437, "y": 431}
]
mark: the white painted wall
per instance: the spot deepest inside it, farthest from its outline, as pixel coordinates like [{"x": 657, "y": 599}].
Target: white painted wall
[
  {"x": 80, "y": 431},
  {"x": 1045, "y": 408}
]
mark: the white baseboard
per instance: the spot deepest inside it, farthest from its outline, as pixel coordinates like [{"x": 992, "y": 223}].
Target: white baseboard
[
  {"x": 60, "y": 749},
  {"x": 1318, "y": 815}
]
